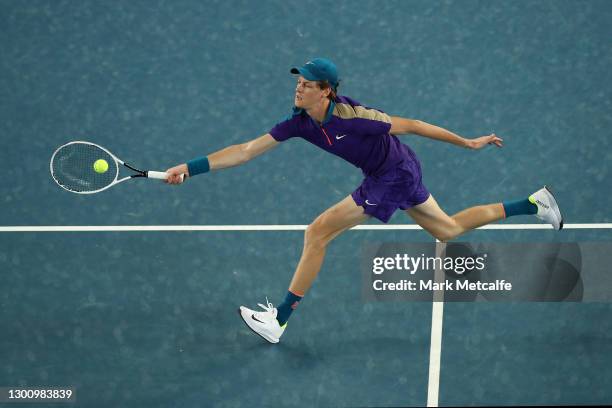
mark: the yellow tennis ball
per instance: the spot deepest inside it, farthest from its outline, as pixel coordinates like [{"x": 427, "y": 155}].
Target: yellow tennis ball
[{"x": 100, "y": 166}]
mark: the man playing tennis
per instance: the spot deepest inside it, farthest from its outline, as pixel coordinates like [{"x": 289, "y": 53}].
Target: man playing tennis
[{"x": 367, "y": 138}]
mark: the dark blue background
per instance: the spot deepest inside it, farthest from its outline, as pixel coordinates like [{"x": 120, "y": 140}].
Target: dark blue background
[{"x": 160, "y": 82}]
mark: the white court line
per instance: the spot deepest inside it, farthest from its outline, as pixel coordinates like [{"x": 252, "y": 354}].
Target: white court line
[
  {"x": 435, "y": 353},
  {"x": 101, "y": 228},
  {"x": 435, "y": 346}
]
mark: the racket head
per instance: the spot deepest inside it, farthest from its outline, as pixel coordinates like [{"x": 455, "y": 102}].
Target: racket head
[{"x": 72, "y": 167}]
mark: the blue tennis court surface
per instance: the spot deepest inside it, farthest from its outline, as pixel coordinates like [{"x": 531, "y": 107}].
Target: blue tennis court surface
[{"x": 149, "y": 318}]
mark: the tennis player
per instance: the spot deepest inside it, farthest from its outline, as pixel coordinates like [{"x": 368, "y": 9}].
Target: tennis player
[{"x": 366, "y": 138}]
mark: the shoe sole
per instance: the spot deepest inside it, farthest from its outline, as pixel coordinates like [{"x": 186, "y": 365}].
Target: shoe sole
[
  {"x": 555, "y": 207},
  {"x": 256, "y": 332}
]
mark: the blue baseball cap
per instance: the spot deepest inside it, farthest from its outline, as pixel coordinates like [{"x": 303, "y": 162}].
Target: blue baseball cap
[{"x": 318, "y": 69}]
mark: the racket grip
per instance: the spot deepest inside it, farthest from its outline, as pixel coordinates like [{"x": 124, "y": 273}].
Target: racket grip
[{"x": 160, "y": 175}]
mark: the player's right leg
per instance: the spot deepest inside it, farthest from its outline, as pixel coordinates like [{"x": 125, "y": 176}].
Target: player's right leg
[
  {"x": 270, "y": 323},
  {"x": 327, "y": 226}
]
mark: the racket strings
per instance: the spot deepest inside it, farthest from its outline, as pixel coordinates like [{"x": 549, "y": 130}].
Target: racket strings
[{"x": 72, "y": 168}]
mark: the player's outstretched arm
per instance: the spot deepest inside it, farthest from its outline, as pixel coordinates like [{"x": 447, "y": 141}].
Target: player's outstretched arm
[
  {"x": 228, "y": 157},
  {"x": 402, "y": 126}
]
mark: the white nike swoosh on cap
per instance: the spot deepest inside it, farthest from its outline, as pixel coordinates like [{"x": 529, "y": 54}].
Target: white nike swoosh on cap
[
  {"x": 339, "y": 136},
  {"x": 369, "y": 203}
]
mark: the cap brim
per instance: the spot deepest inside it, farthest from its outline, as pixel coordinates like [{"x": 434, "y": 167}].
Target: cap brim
[{"x": 303, "y": 72}]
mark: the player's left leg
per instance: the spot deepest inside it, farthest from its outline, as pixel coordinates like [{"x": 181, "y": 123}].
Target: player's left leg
[{"x": 443, "y": 227}]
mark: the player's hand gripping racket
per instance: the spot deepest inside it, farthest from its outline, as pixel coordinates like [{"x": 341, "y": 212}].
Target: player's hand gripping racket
[{"x": 86, "y": 168}]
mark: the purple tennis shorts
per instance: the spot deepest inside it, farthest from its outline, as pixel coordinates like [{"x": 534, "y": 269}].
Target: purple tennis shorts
[{"x": 399, "y": 187}]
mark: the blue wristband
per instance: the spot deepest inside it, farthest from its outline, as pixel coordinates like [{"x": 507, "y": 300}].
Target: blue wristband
[{"x": 198, "y": 166}]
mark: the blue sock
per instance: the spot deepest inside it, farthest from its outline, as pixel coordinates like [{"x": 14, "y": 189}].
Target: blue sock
[
  {"x": 286, "y": 308},
  {"x": 520, "y": 207}
]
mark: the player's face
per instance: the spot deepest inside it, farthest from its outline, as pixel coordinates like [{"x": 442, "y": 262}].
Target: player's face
[{"x": 307, "y": 93}]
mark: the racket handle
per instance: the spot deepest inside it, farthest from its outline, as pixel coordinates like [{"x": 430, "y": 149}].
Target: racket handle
[{"x": 160, "y": 175}]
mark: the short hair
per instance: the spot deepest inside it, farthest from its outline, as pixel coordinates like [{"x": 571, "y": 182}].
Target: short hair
[{"x": 333, "y": 90}]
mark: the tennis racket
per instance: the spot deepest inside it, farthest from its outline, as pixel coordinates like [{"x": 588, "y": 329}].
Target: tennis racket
[{"x": 72, "y": 168}]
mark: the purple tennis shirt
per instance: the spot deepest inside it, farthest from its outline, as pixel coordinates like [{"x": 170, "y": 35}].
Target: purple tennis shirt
[{"x": 358, "y": 134}]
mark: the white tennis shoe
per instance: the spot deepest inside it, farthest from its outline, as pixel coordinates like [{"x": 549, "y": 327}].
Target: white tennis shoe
[
  {"x": 264, "y": 322},
  {"x": 548, "y": 210}
]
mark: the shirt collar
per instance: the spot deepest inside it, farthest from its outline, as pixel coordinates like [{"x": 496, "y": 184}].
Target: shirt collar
[
  {"x": 330, "y": 112},
  {"x": 328, "y": 116}
]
